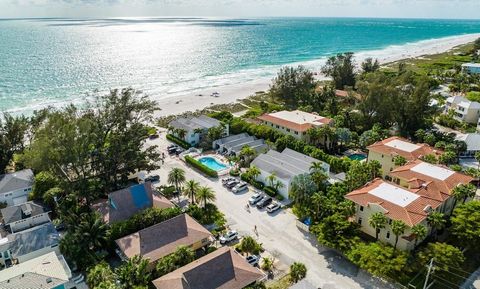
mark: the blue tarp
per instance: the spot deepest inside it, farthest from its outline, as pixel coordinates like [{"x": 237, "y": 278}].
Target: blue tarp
[{"x": 140, "y": 196}]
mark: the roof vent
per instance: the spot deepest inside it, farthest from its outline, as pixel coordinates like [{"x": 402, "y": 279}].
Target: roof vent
[
  {"x": 427, "y": 209},
  {"x": 27, "y": 210},
  {"x": 49, "y": 280}
]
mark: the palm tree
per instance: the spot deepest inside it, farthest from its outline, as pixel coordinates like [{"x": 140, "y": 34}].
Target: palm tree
[
  {"x": 398, "y": 228},
  {"x": 477, "y": 157},
  {"x": 301, "y": 189},
  {"x": 246, "y": 154},
  {"x": 134, "y": 272},
  {"x": 437, "y": 221},
  {"x": 205, "y": 195},
  {"x": 191, "y": 188},
  {"x": 318, "y": 173},
  {"x": 181, "y": 133},
  {"x": 317, "y": 200},
  {"x": 462, "y": 192},
  {"x": 254, "y": 172},
  {"x": 92, "y": 231},
  {"x": 420, "y": 232},
  {"x": 176, "y": 177},
  {"x": 272, "y": 178},
  {"x": 377, "y": 221},
  {"x": 183, "y": 255}
]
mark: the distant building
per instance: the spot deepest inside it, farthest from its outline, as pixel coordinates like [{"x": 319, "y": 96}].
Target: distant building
[
  {"x": 194, "y": 129},
  {"x": 124, "y": 203},
  {"x": 471, "y": 68},
  {"x": 285, "y": 165},
  {"x": 162, "y": 239},
  {"x": 295, "y": 123},
  {"x": 464, "y": 109},
  {"x": 472, "y": 140},
  {"x": 46, "y": 271},
  {"x": 232, "y": 145},
  {"x": 223, "y": 268},
  {"x": 418, "y": 188},
  {"x": 15, "y": 187},
  {"x": 24, "y": 216},
  {"x": 28, "y": 244},
  {"x": 386, "y": 150}
]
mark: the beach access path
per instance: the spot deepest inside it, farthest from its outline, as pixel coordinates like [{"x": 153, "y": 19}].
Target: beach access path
[{"x": 277, "y": 233}]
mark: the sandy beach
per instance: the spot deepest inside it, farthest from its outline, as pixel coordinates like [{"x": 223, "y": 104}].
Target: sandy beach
[{"x": 231, "y": 93}]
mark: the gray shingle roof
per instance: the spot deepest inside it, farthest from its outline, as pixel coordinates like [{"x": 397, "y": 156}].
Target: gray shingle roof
[
  {"x": 200, "y": 122},
  {"x": 231, "y": 138},
  {"x": 19, "y": 212},
  {"x": 31, "y": 240},
  {"x": 17, "y": 180}
]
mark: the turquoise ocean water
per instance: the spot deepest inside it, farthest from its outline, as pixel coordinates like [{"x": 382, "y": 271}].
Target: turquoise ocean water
[{"x": 55, "y": 61}]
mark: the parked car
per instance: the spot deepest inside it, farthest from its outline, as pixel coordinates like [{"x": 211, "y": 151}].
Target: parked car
[
  {"x": 228, "y": 179},
  {"x": 171, "y": 146},
  {"x": 264, "y": 202},
  {"x": 255, "y": 198},
  {"x": 154, "y": 136},
  {"x": 231, "y": 184},
  {"x": 179, "y": 150},
  {"x": 241, "y": 187},
  {"x": 228, "y": 237},
  {"x": 273, "y": 207},
  {"x": 153, "y": 178},
  {"x": 253, "y": 260},
  {"x": 172, "y": 150}
]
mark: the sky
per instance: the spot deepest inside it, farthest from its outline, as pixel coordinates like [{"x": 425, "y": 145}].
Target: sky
[{"x": 451, "y": 9}]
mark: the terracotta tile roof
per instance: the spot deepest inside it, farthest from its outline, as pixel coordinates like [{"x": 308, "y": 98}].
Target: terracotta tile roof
[
  {"x": 412, "y": 214},
  {"x": 221, "y": 269},
  {"x": 163, "y": 238},
  {"x": 125, "y": 203},
  {"x": 296, "y": 126},
  {"x": 422, "y": 150},
  {"x": 341, "y": 93},
  {"x": 433, "y": 185}
]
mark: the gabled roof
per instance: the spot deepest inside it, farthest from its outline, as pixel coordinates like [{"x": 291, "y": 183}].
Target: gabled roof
[
  {"x": 296, "y": 120},
  {"x": 411, "y": 211},
  {"x": 463, "y": 102},
  {"x": 471, "y": 139},
  {"x": 125, "y": 203},
  {"x": 400, "y": 146},
  {"x": 30, "y": 240},
  {"x": 221, "y": 269},
  {"x": 163, "y": 238},
  {"x": 192, "y": 123},
  {"x": 20, "y": 212},
  {"x": 17, "y": 180},
  {"x": 437, "y": 181},
  {"x": 46, "y": 271}
]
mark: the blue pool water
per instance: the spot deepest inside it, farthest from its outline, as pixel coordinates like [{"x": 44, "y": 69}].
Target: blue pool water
[
  {"x": 357, "y": 157},
  {"x": 212, "y": 163}
]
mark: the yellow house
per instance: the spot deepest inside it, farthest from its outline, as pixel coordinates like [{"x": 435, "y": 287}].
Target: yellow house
[
  {"x": 164, "y": 238},
  {"x": 386, "y": 150}
]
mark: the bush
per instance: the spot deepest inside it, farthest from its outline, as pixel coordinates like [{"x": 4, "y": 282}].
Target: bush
[
  {"x": 258, "y": 185},
  {"x": 167, "y": 191},
  {"x": 178, "y": 141},
  {"x": 298, "y": 271},
  {"x": 201, "y": 167},
  {"x": 270, "y": 191},
  {"x": 234, "y": 173},
  {"x": 245, "y": 177}
]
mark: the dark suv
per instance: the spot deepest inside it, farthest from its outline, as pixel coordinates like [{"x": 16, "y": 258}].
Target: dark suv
[{"x": 264, "y": 202}]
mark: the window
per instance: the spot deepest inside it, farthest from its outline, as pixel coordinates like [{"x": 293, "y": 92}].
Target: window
[
  {"x": 359, "y": 221},
  {"x": 296, "y": 132},
  {"x": 388, "y": 235},
  {"x": 389, "y": 221},
  {"x": 361, "y": 208},
  {"x": 278, "y": 126},
  {"x": 288, "y": 129}
]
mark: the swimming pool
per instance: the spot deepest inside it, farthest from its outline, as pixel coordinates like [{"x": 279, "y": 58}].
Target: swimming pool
[
  {"x": 357, "y": 157},
  {"x": 212, "y": 163}
]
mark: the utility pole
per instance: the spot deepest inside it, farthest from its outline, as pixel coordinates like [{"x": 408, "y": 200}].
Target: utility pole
[{"x": 428, "y": 274}]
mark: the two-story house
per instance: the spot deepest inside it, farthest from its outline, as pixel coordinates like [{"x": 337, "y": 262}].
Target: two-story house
[
  {"x": 386, "y": 150},
  {"x": 418, "y": 189},
  {"x": 15, "y": 187},
  {"x": 194, "y": 129},
  {"x": 24, "y": 216},
  {"x": 464, "y": 109}
]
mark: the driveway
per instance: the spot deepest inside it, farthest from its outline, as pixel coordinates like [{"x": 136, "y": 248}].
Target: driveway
[{"x": 279, "y": 234}]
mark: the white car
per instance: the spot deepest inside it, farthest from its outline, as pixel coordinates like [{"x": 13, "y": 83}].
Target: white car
[
  {"x": 273, "y": 207},
  {"x": 228, "y": 237},
  {"x": 240, "y": 188},
  {"x": 253, "y": 260},
  {"x": 255, "y": 198}
]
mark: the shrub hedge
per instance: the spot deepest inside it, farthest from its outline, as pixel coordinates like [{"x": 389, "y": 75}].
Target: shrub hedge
[
  {"x": 178, "y": 141},
  {"x": 201, "y": 167},
  {"x": 234, "y": 173}
]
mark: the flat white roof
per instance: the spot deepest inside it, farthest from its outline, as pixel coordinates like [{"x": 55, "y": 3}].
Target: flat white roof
[
  {"x": 402, "y": 145},
  {"x": 297, "y": 116},
  {"x": 471, "y": 65},
  {"x": 394, "y": 194},
  {"x": 432, "y": 171}
]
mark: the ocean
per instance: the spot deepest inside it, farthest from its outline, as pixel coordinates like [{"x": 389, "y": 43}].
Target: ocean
[{"x": 57, "y": 61}]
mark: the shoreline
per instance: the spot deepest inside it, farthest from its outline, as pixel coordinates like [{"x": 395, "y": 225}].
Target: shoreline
[{"x": 229, "y": 94}]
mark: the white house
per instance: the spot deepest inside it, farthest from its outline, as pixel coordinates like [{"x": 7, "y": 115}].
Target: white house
[
  {"x": 471, "y": 68},
  {"x": 46, "y": 271},
  {"x": 24, "y": 216},
  {"x": 15, "y": 187},
  {"x": 464, "y": 109},
  {"x": 28, "y": 244},
  {"x": 286, "y": 165},
  {"x": 232, "y": 145},
  {"x": 194, "y": 129},
  {"x": 473, "y": 144}
]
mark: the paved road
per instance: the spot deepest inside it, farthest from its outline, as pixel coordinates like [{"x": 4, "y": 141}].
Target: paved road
[{"x": 278, "y": 233}]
